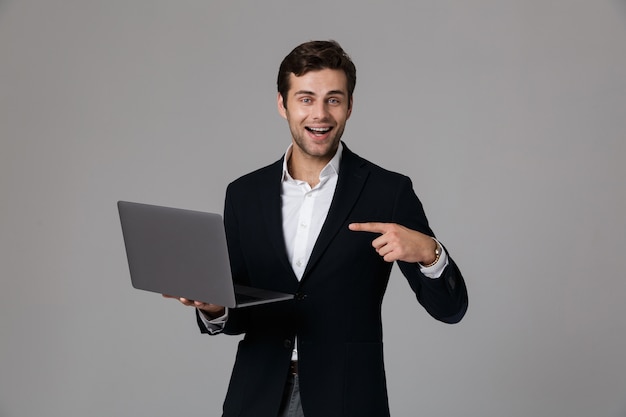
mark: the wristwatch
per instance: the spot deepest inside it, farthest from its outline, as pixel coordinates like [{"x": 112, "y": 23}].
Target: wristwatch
[{"x": 437, "y": 256}]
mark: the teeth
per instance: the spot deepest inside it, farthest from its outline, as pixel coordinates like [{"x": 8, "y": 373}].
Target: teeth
[{"x": 319, "y": 129}]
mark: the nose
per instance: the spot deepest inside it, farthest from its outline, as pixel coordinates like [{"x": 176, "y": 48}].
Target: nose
[{"x": 319, "y": 110}]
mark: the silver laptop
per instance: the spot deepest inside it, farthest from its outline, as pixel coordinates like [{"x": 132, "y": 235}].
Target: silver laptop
[{"x": 183, "y": 253}]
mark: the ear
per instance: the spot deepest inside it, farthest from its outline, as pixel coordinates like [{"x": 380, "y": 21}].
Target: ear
[
  {"x": 350, "y": 107},
  {"x": 282, "y": 110}
]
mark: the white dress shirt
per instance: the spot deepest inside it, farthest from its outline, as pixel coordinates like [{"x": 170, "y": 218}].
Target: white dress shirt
[{"x": 304, "y": 210}]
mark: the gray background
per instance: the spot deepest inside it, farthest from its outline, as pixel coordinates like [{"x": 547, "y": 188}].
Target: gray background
[{"x": 508, "y": 115}]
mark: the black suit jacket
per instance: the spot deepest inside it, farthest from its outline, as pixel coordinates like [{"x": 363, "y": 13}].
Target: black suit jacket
[{"x": 336, "y": 311}]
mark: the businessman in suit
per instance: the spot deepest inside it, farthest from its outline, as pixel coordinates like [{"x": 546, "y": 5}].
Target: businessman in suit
[{"x": 326, "y": 225}]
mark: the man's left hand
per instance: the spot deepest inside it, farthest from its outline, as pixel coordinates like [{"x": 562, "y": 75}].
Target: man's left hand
[{"x": 399, "y": 243}]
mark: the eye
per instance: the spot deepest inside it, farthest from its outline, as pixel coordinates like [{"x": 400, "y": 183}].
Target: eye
[
  {"x": 306, "y": 100},
  {"x": 333, "y": 101}
]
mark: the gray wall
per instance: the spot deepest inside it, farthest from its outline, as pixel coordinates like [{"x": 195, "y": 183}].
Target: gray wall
[{"x": 508, "y": 115}]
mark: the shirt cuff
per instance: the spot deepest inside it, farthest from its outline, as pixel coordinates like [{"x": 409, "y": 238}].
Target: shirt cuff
[{"x": 214, "y": 326}]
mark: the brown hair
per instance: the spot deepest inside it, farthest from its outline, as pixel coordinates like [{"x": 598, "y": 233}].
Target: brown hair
[{"x": 314, "y": 56}]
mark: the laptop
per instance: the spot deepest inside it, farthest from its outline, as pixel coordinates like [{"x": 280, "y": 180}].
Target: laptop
[{"x": 183, "y": 253}]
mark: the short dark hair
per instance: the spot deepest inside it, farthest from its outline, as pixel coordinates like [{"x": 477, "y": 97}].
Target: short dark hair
[{"x": 314, "y": 56}]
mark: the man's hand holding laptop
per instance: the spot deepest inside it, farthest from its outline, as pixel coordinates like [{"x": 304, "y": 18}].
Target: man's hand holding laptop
[{"x": 211, "y": 311}]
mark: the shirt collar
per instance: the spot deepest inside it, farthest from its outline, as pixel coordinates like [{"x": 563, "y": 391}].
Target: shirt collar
[{"x": 331, "y": 168}]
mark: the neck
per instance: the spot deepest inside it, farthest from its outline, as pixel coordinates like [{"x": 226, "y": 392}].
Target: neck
[{"x": 305, "y": 172}]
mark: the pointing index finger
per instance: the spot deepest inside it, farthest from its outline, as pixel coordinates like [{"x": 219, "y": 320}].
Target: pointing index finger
[{"x": 374, "y": 227}]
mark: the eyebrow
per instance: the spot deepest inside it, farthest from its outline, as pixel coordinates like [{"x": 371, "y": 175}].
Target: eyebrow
[{"x": 311, "y": 93}]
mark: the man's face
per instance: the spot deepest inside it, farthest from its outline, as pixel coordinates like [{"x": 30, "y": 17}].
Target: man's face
[{"x": 317, "y": 109}]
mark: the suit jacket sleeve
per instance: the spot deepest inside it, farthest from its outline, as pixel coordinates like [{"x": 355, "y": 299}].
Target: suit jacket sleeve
[{"x": 444, "y": 298}]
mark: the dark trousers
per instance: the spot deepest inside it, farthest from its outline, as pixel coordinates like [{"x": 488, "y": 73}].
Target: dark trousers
[{"x": 291, "y": 405}]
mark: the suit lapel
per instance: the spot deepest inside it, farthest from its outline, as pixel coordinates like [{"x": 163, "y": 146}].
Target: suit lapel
[
  {"x": 269, "y": 190},
  {"x": 352, "y": 177}
]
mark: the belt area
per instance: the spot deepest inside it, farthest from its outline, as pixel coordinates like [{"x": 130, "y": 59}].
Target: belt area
[{"x": 293, "y": 368}]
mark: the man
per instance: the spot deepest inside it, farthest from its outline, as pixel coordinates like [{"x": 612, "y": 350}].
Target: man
[{"x": 326, "y": 225}]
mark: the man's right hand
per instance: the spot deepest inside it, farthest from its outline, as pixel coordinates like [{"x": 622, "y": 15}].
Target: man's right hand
[{"x": 211, "y": 311}]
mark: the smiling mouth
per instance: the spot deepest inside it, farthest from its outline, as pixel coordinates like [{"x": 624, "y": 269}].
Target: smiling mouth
[{"x": 319, "y": 130}]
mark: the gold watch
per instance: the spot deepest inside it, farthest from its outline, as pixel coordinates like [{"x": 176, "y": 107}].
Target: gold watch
[{"x": 437, "y": 256}]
